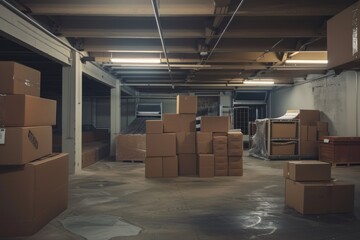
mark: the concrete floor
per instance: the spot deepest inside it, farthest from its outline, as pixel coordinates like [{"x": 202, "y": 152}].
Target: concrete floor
[{"x": 248, "y": 207}]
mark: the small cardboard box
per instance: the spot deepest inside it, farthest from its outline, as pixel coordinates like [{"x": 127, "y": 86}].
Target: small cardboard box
[
  {"x": 161, "y": 145},
  {"x": 282, "y": 148},
  {"x": 235, "y": 144},
  {"x": 319, "y": 197},
  {"x": 186, "y": 104},
  {"x": 206, "y": 165},
  {"x": 187, "y": 164},
  {"x": 25, "y": 144},
  {"x": 283, "y": 130},
  {"x": 153, "y": 167},
  {"x": 16, "y": 78},
  {"x": 171, "y": 123},
  {"x": 236, "y": 172},
  {"x": 220, "y": 146},
  {"x": 307, "y": 171},
  {"x": 185, "y": 142},
  {"x": 26, "y": 111},
  {"x": 215, "y": 124},
  {"x": 170, "y": 167},
  {"x": 322, "y": 126},
  {"x": 33, "y": 194},
  {"x": 187, "y": 122},
  {"x": 204, "y": 143},
  {"x": 221, "y": 173},
  {"x": 309, "y": 148},
  {"x": 154, "y": 126},
  {"x": 131, "y": 147}
]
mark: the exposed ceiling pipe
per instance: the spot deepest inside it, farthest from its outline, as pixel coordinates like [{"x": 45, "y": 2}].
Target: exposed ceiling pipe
[
  {"x": 198, "y": 85},
  {"x": 156, "y": 13}
]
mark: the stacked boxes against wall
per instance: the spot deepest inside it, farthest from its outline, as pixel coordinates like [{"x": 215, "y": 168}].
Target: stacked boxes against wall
[
  {"x": 310, "y": 190},
  {"x": 33, "y": 181},
  {"x": 235, "y": 151}
]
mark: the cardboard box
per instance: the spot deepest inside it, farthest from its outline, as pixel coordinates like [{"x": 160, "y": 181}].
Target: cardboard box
[
  {"x": 335, "y": 149},
  {"x": 89, "y": 156},
  {"x": 170, "y": 167},
  {"x": 206, "y": 165},
  {"x": 221, "y": 173},
  {"x": 235, "y": 172},
  {"x": 319, "y": 197},
  {"x": 25, "y": 144},
  {"x": 131, "y": 147},
  {"x": 322, "y": 126},
  {"x": 154, "y": 126},
  {"x": 220, "y": 147},
  {"x": 186, "y": 104},
  {"x": 204, "y": 143},
  {"x": 303, "y": 133},
  {"x": 187, "y": 122},
  {"x": 223, "y": 134},
  {"x": 309, "y": 148},
  {"x": 308, "y": 117},
  {"x": 221, "y": 159},
  {"x": 235, "y": 144},
  {"x": 33, "y": 194},
  {"x": 307, "y": 171},
  {"x": 185, "y": 142},
  {"x": 221, "y": 165},
  {"x": 235, "y": 165},
  {"x": 283, "y": 130},
  {"x": 26, "y": 111},
  {"x": 187, "y": 164},
  {"x": 153, "y": 167},
  {"x": 161, "y": 145},
  {"x": 282, "y": 148},
  {"x": 312, "y": 133},
  {"x": 235, "y": 159},
  {"x": 16, "y": 78},
  {"x": 214, "y": 124},
  {"x": 171, "y": 123}
]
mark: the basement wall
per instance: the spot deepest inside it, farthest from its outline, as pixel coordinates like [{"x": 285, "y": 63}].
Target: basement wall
[{"x": 337, "y": 97}]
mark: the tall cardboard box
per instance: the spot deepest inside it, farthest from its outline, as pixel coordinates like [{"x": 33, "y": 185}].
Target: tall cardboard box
[
  {"x": 307, "y": 171},
  {"x": 186, "y": 104},
  {"x": 26, "y": 111},
  {"x": 16, "y": 78},
  {"x": 32, "y": 195},
  {"x": 214, "y": 124},
  {"x": 161, "y": 145},
  {"x": 25, "y": 144},
  {"x": 170, "y": 167},
  {"x": 185, "y": 142},
  {"x": 153, "y": 167},
  {"x": 187, "y": 122},
  {"x": 235, "y": 144},
  {"x": 154, "y": 126},
  {"x": 204, "y": 143},
  {"x": 206, "y": 165},
  {"x": 171, "y": 123},
  {"x": 220, "y": 147},
  {"x": 187, "y": 164}
]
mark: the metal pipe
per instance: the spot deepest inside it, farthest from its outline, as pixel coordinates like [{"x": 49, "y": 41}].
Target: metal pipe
[
  {"x": 199, "y": 85},
  {"x": 156, "y": 13}
]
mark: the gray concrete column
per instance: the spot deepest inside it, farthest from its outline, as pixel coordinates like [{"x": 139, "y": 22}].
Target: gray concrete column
[
  {"x": 72, "y": 112},
  {"x": 115, "y": 116}
]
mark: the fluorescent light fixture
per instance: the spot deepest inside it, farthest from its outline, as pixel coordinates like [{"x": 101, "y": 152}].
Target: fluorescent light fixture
[
  {"x": 135, "y": 60},
  {"x": 306, "y": 61},
  {"x": 259, "y": 82}
]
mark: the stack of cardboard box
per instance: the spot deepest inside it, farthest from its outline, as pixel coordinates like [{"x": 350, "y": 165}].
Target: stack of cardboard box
[
  {"x": 235, "y": 151},
  {"x": 310, "y": 190},
  {"x": 33, "y": 182}
]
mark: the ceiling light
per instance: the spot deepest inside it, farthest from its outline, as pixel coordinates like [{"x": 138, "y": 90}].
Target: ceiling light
[
  {"x": 259, "y": 82},
  {"x": 135, "y": 60},
  {"x": 306, "y": 61}
]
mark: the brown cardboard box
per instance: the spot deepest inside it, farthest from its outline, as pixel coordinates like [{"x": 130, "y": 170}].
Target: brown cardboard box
[
  {"x": 235, "y": 144},
  {"x": 204, "y": 143},
  {"x": 171, "y": 123},
  {"x": 154, "y": 126},
  {"x": 214, "y": 124},
  {"x": 308, "y": 117},
  {"x": 186, "y": 104},
  {"x": 221, "y": 173},
  {"x": 312, "y": 133},
  {"x": 89, "y": 156},
  {"x": 26, "y": 110},
  {"x": 187, "y": 164},
  {"x": 221, "y": 165},
  {"x": 303, "y": 133},
  {"x": 187, "y": 122},
  {"x": 161, "y": 145},
  {"x": 309, "y": 148},
  {"x": 25, "y": 144},
  {"x": 223, "y": 134},
  {"x": 170, "y": 166},
  {"x": 307, "y": 171},
  {"x": 283, "y": 130},
  {"x": 236, "y": 165},
  {"x": 185, "y": 142},
  {"x": 319, "y": 197},
  {"x": 236, "y": 172},
  {"x": 235, "y": 159},
  {"x": 282, "y": 148},
  {"x": 206, "y": 165},
  {"x": 221, "y": 159},
  {"x": 322, "y": 126},
  {"x": 153, "y": 167},
  {"x": 33, "y": 194},
  {"x": 220, "y": 146},
  {"x": 131, "y": 147},
  {"x": 321, "y": 134},
  {"x": 16, "y": 78}
]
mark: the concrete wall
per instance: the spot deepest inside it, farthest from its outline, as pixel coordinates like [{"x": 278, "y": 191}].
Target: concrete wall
[{"x": 337, "y": 97}]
